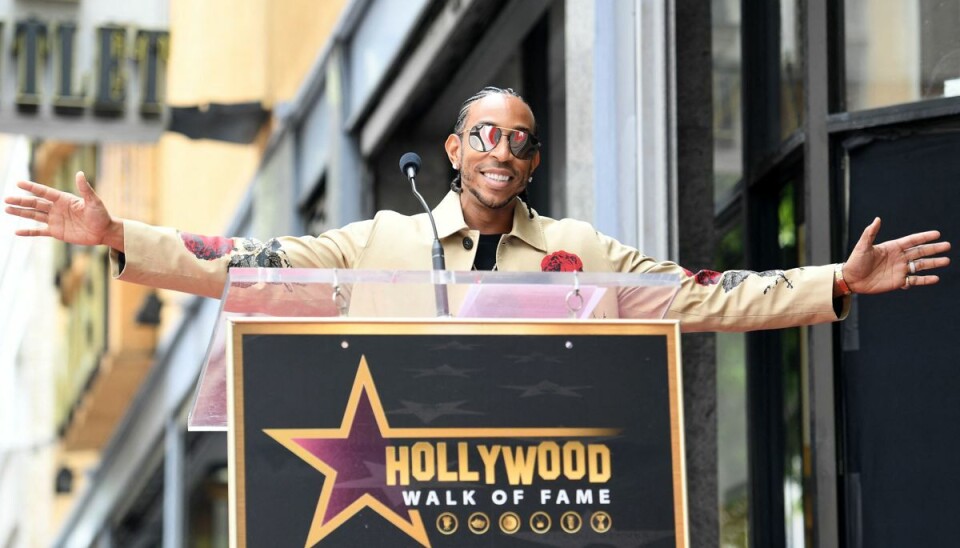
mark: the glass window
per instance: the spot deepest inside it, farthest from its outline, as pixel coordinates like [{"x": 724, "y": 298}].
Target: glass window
[
  {"x": 792, "y": 346},
  {"x": 376, "y": 42},
  {"x": 727, "y": 120},
  {"x": 791, "y": 67},
  {"x": 209, "y": 511},
  {"x": 273, "y": 193},
  {"x": 314, "y": 211},
  {"x": 313, "y": 151},
  {"x": 900, "y": 51},
  {"x": 732, "y": 448}
]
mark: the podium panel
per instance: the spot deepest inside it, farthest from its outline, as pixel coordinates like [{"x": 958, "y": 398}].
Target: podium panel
[
  {"x": 455, "y": 433},
  {"x": 315, "y": 293}
]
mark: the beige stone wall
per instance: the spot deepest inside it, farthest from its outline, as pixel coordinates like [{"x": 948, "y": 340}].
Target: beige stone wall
[
  {"x": 298, "y": 31},
  {"x": 220, "y": 53},
  {"x": 217, "y": 51},
  {"x": 217, "y": 54}
]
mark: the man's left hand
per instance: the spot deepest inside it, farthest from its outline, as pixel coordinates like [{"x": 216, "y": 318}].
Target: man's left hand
[{"x": 897, "y": 264}]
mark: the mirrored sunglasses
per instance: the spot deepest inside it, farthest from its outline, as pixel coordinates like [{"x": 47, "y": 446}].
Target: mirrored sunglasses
[{"x": 484, "y": 138}]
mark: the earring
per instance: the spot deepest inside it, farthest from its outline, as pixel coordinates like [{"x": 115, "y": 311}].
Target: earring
[
  {"x": 530, "y": 180},
  {"x": 455, "y": 167}
]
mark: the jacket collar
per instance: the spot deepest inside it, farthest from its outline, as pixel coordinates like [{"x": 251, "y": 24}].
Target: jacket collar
[{"x": 449, "y": 217}]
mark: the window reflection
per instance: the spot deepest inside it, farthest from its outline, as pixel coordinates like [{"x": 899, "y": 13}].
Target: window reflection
[
  {"x": 793, "y": 358},
  {"x": 900, "y": 51},
  {"x": 727, "y": 127},
  {"x": 732, "y": 448},
  {"x": 791, "y": 68},
  {"x": 314, "y": 212},
  {"x": 209, "y": 511}
]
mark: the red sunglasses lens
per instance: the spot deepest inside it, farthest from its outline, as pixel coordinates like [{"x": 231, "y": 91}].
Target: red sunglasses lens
[{"x": 485, "y": 138}]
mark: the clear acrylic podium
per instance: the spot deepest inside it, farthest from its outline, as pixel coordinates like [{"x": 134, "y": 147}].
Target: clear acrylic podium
[{"x": 358, "y": 294}]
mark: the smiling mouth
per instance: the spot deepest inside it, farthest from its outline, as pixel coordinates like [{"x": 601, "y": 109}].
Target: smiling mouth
[{"x": 497, "y": 177}]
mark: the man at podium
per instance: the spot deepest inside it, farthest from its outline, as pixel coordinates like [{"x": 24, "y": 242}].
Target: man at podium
[{"x": 483, "y": 223}]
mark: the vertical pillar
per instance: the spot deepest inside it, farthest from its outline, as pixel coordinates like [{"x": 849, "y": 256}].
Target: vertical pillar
[
  {"x": 618, "y": 95},
  {"x": 580, "y": 35},
  {"x": 625, "y": 134},
  {"x": 345, "y": 179},
  {"x": 817, "y": 184},
  {"x": 174, "y": 498},
  {"x": 694, "y": 169}
]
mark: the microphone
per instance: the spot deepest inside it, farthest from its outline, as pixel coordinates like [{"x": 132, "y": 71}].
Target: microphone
[{"x": 410, "y": 166}]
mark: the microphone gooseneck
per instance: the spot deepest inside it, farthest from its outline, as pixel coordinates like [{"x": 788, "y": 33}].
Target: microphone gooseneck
[{"x": 410, "y": 166}]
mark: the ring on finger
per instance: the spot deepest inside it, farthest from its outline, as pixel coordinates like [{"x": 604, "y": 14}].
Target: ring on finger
[
  {"x": 912, "y": 265},
  {"x": 907, "y": 282}
]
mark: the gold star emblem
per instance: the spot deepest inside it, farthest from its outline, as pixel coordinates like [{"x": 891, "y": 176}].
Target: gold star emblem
[{"x": 298, "y": 441}]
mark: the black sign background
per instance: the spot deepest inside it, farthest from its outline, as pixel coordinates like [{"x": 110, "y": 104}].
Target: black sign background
[{"x": 496, "y": 381}]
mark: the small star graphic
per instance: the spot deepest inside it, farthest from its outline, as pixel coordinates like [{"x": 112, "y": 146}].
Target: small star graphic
[
  {"x": 443, "y": 371},
  {"x": 454, "y": 345},
  {"x": 427, "y": 412},
  {"x": 549, "y": 388},
  {"x": 533, "y": 357}
]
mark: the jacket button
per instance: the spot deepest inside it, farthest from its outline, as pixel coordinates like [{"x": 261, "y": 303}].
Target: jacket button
[{"x": 468, "y": 243}]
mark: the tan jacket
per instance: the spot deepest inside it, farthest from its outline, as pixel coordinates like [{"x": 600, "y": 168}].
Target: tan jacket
[{"x": 707, "y": 301}]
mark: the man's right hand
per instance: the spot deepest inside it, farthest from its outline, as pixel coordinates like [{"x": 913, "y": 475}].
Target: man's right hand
[{"x": 81, "y": 220}]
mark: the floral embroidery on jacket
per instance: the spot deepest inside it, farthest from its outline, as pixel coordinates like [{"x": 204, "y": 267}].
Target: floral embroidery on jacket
[
  {"x": 561, "y": 261},
  {"x": 207, "y": 248},
  {"x": 253, "y": 253},
  {"x": 705, "y": 277},
  {"x": 777, "y": 276},
  {"x": 734, "y": 278},
  {"x": 244, "y": 253}
]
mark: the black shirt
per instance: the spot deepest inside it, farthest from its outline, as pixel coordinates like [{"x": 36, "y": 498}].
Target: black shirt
[{"x": 486, "y": 257}]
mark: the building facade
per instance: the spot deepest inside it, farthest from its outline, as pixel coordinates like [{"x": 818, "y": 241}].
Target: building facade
[{"x": 725, "y": 134}]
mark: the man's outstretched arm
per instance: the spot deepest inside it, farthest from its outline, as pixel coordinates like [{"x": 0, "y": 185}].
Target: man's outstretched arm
[
  {"x": 744, "y": 300},
  {"x": 168, "y": 258},
  {"x": 82, "y": 220}
]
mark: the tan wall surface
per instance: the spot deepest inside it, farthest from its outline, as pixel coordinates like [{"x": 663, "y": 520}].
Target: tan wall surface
[
  {"x": 298, "y": 31},
  {"x": 220, "y": 53},
  {"x": 217, "y": 51},
  {"x": 217, "y": 54}
]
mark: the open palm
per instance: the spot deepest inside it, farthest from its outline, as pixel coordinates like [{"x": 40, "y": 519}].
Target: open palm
[
  {"x": 877, "y": 268},
  {"x": 82, "y": 219}
]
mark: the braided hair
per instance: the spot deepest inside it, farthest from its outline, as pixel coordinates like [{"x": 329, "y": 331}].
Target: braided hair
[{"x": 456, "y": 185}]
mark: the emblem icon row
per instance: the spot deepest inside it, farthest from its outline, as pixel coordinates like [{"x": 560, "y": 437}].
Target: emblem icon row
[{"x": 509, "y": 523}]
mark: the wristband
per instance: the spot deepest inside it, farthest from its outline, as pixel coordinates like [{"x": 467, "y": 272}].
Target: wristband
[{"x": 840, "y": 282}]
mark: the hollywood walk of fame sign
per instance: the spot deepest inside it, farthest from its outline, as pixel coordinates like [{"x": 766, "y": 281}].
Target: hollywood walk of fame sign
[{"x": 449, "y": 433}]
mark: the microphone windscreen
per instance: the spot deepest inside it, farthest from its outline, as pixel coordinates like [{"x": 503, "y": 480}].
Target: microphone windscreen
[{"x": 410, "y": 160}]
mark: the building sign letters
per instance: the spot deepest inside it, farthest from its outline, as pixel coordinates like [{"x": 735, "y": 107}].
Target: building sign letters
[{"x": 39, "y": 46}]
